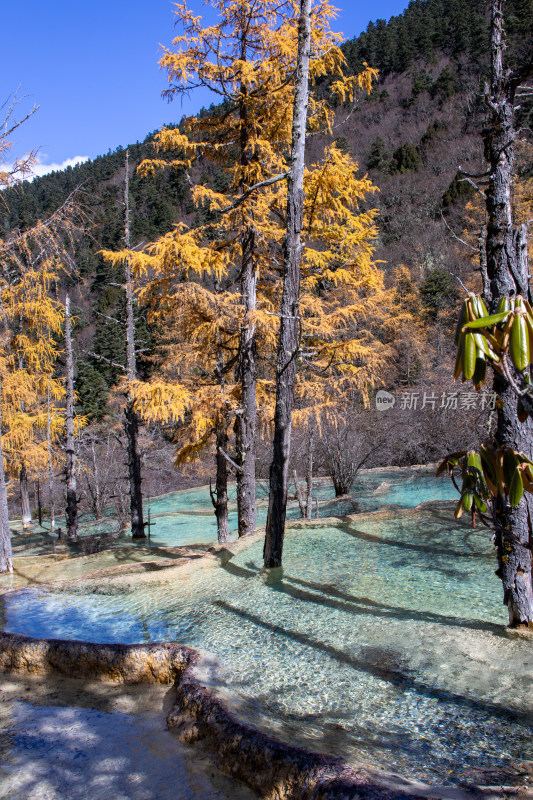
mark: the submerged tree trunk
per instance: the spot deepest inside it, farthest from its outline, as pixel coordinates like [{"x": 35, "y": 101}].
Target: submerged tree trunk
[
  {"x": 6, "y": 553},
  {"x": 131, "y": 423},
  {"x": 39, "y": 504},
  {"x": 289, "y": 323},
  {"x": 131, "y": 427},
  {"x": 309, "y": 476},
  {"x": 220, "y": 496},
  {"x": 24, "y": 497},
  {"x": 508, "y": 274},
  {"x": 71, "y": 511}
]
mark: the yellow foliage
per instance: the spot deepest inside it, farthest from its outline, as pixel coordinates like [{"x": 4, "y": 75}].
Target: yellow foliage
[
  {"x": 248, "y": 59},
  {"x": 28, "y": 352},
  {"x": 159, "y": 401}
]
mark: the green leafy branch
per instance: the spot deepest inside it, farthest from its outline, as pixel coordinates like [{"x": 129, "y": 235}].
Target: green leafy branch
[{"x": 487, "y": 475}]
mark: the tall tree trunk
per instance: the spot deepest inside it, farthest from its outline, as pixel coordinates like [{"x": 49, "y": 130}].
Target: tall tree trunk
[
  {"x": 39, "y": 504},
  {"x": 71, "y": 511},
  {"x": 23, "y": 476},
  {"x": 220, "y": 497},
  {"x": 289, "y": 323},
  {"x": 299, "y": 497},
  {"x": 131, "y": 423},
  {"x": 507, "y": 271},
  {"x": 24, "y": 497},
  {"x": 245, "y": 421},
  {"x": 6, "y": 553},
  {"x": 50, "y": 465},
  {"x": 95, "y": 492},
  {"x": 131, "y": 427},
  {"x": 309, "y": 476}
]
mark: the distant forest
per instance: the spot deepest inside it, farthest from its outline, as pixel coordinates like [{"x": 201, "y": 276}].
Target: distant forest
[{"x": 421, "y": 121}]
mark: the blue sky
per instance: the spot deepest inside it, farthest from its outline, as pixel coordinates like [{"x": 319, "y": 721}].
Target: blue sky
[{"x": 92, "y": 69}]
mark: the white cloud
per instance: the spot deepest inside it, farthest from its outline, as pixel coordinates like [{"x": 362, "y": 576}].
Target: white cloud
[{"x": 43, "y": 169}]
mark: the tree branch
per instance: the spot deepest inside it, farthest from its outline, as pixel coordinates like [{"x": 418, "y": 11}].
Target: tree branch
[
  {"x": 107, "y": 360},
  {"x": 466, "y": 244},
  {"x": 231, "y": 461},
  {"x": 269, "y": 181}
]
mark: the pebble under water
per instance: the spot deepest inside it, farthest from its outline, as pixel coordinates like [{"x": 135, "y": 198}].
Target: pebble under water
[{"x": 384, "y": 643}]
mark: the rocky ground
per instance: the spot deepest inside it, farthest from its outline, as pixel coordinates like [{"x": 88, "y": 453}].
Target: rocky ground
[{"x": 63, "y": 739}]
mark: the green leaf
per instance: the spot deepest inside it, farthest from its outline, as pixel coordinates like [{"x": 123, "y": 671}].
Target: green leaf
[
  {"x": 479, "y": 306},
  {"x": 463, "y": 319},
  {"x": 468, "y": 498},
  {"x": 504, "y": 304},
  {"x": 519, "y": 342},
  {"x": 517, "y": 489},
  {"x": 469, "y": 356},
  {"x": 480, "y": 372},
  {"x": 482, "y": 506},
  {"x": 510, "y": 463},
  {"x": 487, "y": 322}
]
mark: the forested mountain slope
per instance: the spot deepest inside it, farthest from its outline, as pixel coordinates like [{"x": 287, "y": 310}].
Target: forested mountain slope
[{"x": 420, "y": 123}]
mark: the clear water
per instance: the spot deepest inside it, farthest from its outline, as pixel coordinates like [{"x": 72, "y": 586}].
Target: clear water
[
  {"x": 31, "y": 570},
  {"x": 180, "y": 519},
  {"x": 186, "y": 517},
  {"x": 384, "y": 643}
]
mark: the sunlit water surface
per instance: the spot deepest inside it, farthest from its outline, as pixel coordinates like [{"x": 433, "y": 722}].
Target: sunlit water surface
[
  {"x": 186, "y": 517},
  {"x": 384, "y": 643}
]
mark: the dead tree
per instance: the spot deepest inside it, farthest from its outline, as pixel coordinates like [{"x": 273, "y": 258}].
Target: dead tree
[
  {"x": 289, "y": 323},
  {"x": 71, "y": 511},
  {"x": 131, "y": 422},
  {"x": 6, "y": 552},
  {"x": 24, "y": 497},
  {"x": 508, "y": 276}
]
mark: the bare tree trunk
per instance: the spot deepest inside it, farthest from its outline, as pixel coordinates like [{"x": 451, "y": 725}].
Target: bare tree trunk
[
  {"x": 508, "y": 273},
  {"x": 6, "y": 553},
  {"x": 131, "y": 426},
  {"x": 37, "y": 488},
  {"x": 71, "y": 511},
  {"x": 95, "y": 492},
  {"x": 131, "y": 423},
  {"x": 298, "y": 491},
  {"x": 309, "y": 476},
  {"x": 24, "y": 497},
  {"x": 220, "y": 496},
  {"x": 245, "y": 421},
  {"x": 482, "y": 247},
  {"x": 50, "y": 465},
  {"x": 289, "y": 323}
]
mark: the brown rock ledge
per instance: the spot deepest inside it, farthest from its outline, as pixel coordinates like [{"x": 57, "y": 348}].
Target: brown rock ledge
[{"x": 273, "y": 769}]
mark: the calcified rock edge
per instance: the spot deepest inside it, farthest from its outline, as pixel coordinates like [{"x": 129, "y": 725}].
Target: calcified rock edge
[{"x": 273, "y": 769}]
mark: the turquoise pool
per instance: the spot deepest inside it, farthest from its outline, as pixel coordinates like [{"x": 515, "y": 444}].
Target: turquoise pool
[
  {"x": 182, "y": 518},
  {"x": 384, "y": 643}
]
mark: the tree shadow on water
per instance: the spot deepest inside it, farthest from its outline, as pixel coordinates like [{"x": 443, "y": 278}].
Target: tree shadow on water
[
  {"x": 427, "y": 547},
  {"x": 351, "y": 604},
  {"x": 365, "y": 605},
  {"x": 395, "y": 674}
]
